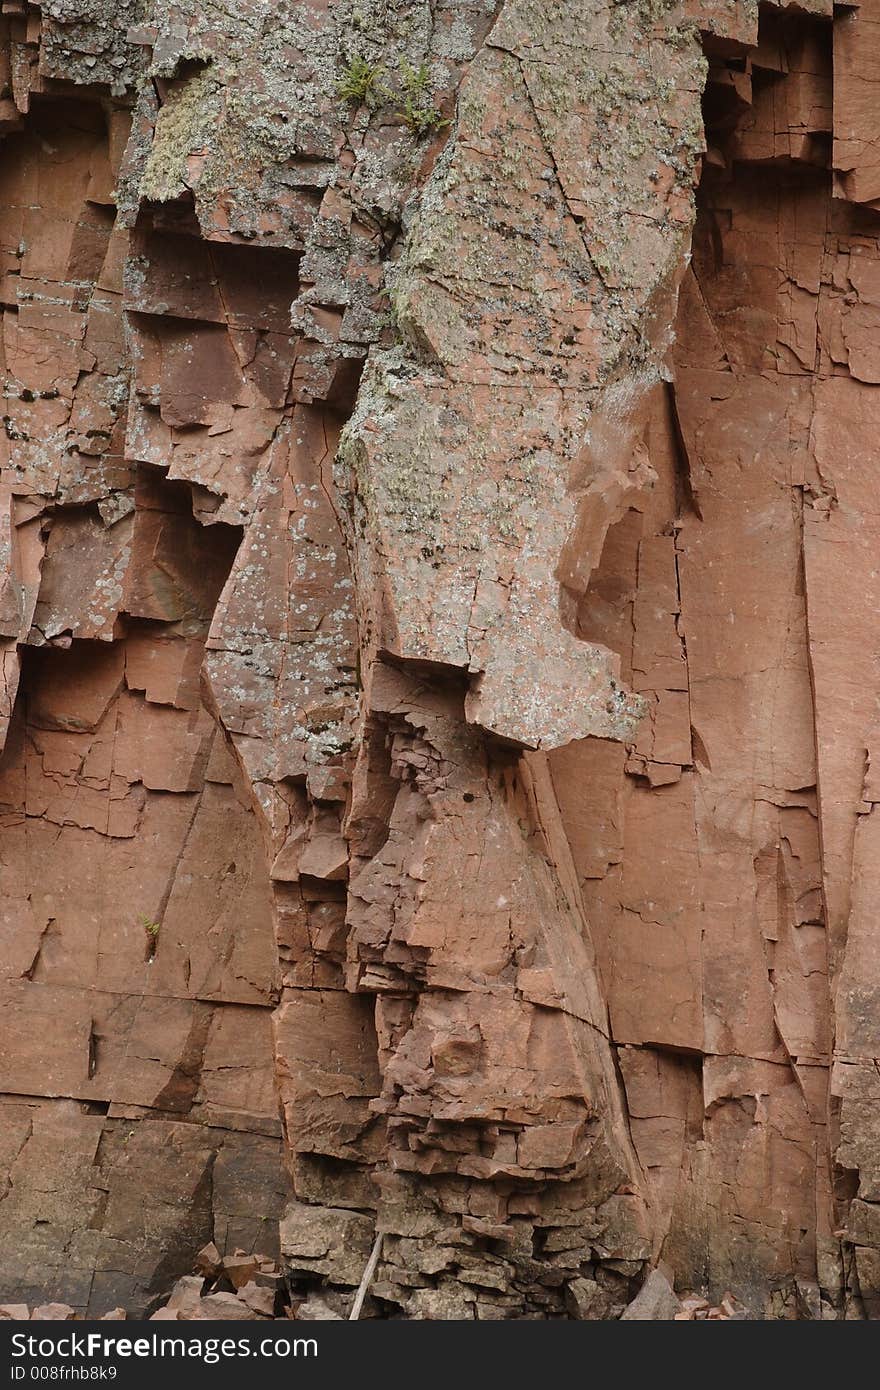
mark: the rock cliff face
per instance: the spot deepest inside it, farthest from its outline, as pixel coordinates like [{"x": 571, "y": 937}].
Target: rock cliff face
[{"x": 440, "y": 650}]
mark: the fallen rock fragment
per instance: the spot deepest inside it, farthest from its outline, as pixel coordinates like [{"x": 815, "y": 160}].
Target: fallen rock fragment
[
  {"x": 316, "y": 1310},
  {"x": 186, "y": 1295},
  {"x": 655, "y": 1301},
  {"x": 260, "y": 1300},
  {"x": 239, "y": 1268},
  {"x": 53, "y": 1312},
  {"x": 224, "y": 1306},
  {"x": 209, "y": 1261},
  {"x": 207, "y": 1296}
]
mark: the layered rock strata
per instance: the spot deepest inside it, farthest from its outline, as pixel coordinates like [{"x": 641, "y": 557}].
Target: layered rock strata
[{"x": 439, "y": 651}]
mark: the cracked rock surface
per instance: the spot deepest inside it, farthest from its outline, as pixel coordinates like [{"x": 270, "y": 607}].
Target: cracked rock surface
[{"x": 440, "y": 658}]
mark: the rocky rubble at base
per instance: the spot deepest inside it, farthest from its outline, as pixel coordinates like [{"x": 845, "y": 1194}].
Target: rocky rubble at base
[
  {"x": 234, "y": 1287},
  {"x": 243, "y": 1287}
]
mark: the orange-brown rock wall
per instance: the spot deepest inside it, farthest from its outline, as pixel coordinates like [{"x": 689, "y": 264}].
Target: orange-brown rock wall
[{"x": 439, "y": 652}]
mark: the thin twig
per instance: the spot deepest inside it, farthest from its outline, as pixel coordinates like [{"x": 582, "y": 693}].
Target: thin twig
[{"x": 366, "y": 1280}]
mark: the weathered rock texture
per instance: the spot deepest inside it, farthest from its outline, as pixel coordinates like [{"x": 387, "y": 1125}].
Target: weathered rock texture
[{"x": 440, "y": 653}]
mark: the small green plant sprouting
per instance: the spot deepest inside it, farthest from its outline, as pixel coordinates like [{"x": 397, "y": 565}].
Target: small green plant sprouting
[
  {"x": 151, "y": 930},
  {"x": 418, "y": 111},
  {"x": 362, "y": 82}
]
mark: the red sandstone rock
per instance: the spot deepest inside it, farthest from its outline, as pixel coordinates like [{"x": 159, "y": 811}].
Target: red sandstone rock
[
  {"x": 53, "y": 1312},
  {"x": 239, "y": 1268},
  {"x": 186, "y": 1295},
  {"x": 226, "y": 1306},
  {"x": 261, "y": 1301},
  {"x": 655, "y": 1301},
  {"x": 437, "y": 607},
  {"x": 209, "y": 1261}
]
